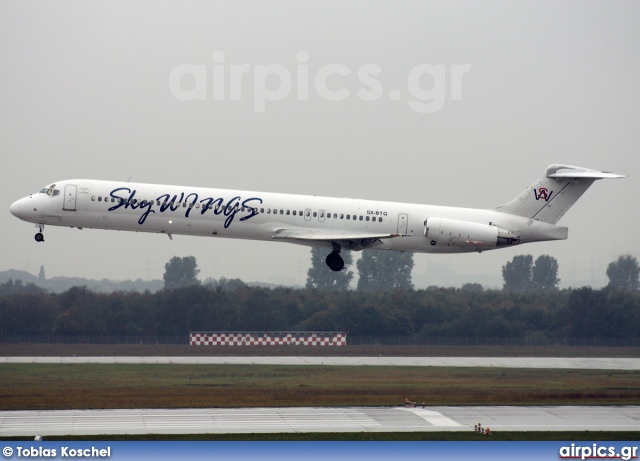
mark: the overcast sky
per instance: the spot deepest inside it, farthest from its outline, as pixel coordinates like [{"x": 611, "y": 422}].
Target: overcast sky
[{"x": 448, "y": 103}]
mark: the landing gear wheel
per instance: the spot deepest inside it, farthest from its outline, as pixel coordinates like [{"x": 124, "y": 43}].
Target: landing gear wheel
[
  {"x": 335, "y": 261},
  {"x": 39, "y": 237}
]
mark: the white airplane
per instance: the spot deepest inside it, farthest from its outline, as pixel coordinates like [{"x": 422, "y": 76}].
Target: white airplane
[{"x": 334, "y": 223}]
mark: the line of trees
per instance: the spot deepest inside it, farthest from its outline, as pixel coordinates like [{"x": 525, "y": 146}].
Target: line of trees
[
  {"x": 585, "y": 312},
  {"x": 533, "y": 306}
]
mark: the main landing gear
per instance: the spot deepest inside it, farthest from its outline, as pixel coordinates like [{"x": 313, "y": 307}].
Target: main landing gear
[
  {"x": 39, "y": 236},
  {"x": 334, "y": 260}
]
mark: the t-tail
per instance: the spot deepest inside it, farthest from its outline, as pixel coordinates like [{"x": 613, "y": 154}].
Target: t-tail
[{"x": 551, "y": 196}]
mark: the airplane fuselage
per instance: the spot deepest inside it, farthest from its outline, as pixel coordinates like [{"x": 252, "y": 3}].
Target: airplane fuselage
[{"x": 252, "y": 215}]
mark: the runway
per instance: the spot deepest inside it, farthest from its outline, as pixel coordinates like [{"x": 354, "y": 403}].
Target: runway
[
  {"x": 499, "y": 362},
  {"x": 293, "y": 419}
]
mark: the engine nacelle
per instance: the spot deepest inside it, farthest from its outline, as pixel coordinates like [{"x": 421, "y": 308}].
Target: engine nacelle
[{"x": 452, "y": 232}]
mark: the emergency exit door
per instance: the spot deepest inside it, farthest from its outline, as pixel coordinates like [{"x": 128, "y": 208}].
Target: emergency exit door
[{"x": 402, "y": 223}]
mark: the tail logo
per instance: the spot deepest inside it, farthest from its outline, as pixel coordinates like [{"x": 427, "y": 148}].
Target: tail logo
[{"x": 543, "y": 194}]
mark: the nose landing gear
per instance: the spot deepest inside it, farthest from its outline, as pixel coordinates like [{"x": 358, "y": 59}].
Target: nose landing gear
[{"x": 39, "y": 236}]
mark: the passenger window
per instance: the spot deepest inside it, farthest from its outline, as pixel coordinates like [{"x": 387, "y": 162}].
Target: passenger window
[
  {"x": 261, "y": 210},
  {"x": 360, "y": 218},
  {"x": 288, "y": 212},
  {"x": 321, "y": 215},
  {"x": 367, "y": 218},
  {"x": 348, "y": 216},
  {"x": 380, "y": 219},
  {"x": 99, "y": 199},
  {"x": 294, "y": 212},
  {"x": 373, "y": 219},
  {"x": 341, "y": 216},
  {"x": 328, "y": 215},
  {"x": 281, "y": 211},
  {"x": 315, "y": 214},
  {"x": 335, "y": 216},
  {"x": 268, "y": 210},
  {"x": 93, "y": 198}
]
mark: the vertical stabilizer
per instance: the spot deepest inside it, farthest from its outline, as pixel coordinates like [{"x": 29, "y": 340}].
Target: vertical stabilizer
[{"x": 551, "y": 196}]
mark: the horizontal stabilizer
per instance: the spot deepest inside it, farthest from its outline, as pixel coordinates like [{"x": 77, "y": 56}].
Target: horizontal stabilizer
[{"x": 574, "y": 172}]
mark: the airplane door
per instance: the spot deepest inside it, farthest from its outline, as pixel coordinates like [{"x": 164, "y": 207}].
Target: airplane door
[
  {"x": 307, "y": 214},
  {"x": 70, "y": 194},
  {"x": 402, "y": 223},
  {"x": 321, "y": 215}
]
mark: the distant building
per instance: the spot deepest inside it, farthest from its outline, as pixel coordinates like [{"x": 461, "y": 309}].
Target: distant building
[{"x": 267, "y": 338}]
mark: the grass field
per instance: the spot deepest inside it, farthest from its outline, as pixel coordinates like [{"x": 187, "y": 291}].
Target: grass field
[{"x": 87, "y": 386}]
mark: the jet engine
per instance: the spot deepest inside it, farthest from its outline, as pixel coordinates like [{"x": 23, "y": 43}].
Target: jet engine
[{"x": 452, "y": 232}]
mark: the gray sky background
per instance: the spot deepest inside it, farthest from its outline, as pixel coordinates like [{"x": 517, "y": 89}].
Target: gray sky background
[{"x": 84, "y": 93}]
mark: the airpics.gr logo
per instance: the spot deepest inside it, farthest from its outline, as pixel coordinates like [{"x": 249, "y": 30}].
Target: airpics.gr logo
[{"x": 543, "y": 194}]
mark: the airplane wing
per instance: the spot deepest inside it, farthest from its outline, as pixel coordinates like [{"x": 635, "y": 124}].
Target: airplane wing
[{"x": 351, "y": 241}]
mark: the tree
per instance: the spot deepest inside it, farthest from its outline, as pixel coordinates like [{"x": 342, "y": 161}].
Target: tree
[
  {"x": 321, "y": 277},
  {"x": 384, "y": 270},
  {"x": 41, "y": 276},
  {"x": 624, "y": 273},
  {"x": 517, "y": 273},
  {"x": 181, "y": 272},
  {"x": 544, "y": 273},
  {"x": 471, "y": 287}
]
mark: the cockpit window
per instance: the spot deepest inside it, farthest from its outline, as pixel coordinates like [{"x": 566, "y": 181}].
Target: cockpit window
[{"x": 50, "y": 191}]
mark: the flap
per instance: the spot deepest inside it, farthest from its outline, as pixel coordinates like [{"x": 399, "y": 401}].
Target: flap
[{"x": 329, "y": 236}]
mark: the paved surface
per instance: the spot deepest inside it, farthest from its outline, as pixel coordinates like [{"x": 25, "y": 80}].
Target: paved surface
[
  {"x": 280, "y": 420},
  {"x": 500, "y": 362}
]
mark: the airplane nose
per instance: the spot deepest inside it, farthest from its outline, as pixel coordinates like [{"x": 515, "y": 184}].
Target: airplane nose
[{"x": 16, "y": 208}]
